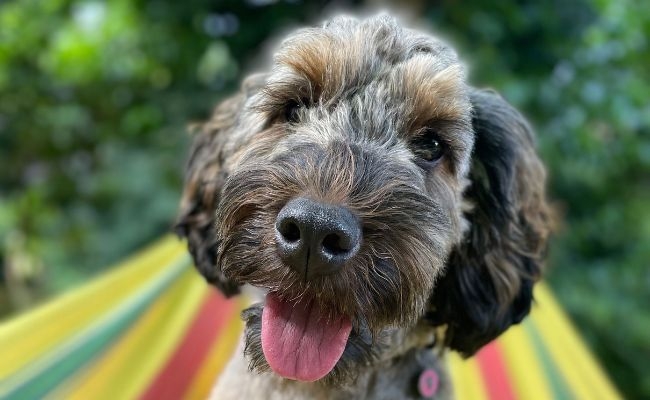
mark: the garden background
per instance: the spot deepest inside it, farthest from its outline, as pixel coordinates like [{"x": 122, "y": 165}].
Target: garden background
[{"x": 95, "y": 97}]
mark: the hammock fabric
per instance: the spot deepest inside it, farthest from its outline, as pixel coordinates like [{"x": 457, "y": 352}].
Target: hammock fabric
[{"x": 152, "y": 329}]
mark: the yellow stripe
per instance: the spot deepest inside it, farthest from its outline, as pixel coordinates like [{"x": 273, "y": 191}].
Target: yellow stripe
[
  {"x": 217, "y": 358},
  {"x": 466, "y": 378},
  {"x": 528, "y": 378},
  {"x": 577, "y": 365},
  {"x": 131, "y": 364},
  {"x": 22, "y": 339}
]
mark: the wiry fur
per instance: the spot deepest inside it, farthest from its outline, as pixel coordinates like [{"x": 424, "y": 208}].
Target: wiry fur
[{"x": 455, "y": 244}]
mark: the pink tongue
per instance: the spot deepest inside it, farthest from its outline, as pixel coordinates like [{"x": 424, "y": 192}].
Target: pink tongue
[{"x": 299, "y": 342}]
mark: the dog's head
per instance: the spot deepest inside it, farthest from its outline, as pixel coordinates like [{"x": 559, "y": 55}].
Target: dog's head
[{"x": 369, "y": 189}]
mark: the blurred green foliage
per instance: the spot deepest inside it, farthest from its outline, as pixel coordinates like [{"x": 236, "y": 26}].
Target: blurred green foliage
[{"x": 95, "y": 97}]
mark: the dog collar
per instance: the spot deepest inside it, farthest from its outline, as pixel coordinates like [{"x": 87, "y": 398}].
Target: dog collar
[{"x": 428, "y": 383}]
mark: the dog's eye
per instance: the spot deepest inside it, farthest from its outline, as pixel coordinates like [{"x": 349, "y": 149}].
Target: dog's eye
[
  {"x": 429, "y": 147},
  {"x": 292, "y": 111}
]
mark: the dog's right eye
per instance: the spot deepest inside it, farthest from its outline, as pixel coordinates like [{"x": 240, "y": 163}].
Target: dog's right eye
[
  {"x": 292, "y": 111},
  {"x": 429, "y": 147}
]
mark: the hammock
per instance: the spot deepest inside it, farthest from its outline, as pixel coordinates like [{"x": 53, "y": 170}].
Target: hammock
[{"x": 149, "y": 329}]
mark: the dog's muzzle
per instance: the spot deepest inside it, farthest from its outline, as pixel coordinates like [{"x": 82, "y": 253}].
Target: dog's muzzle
[{"x": 300, "y": 339}]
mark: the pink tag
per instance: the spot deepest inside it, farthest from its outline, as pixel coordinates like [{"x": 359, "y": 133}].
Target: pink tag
[{"x": 428, "y": 383}]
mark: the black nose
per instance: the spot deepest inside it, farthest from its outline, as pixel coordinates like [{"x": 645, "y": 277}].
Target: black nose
[{"x": 316, "y": 239}]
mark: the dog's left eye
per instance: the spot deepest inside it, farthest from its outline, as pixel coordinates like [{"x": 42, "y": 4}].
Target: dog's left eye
[
  {"x": 429, "y": 147},
  {"x": 292, "y": 111}
]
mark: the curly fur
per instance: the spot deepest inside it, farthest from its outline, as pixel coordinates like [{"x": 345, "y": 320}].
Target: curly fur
[{"x": 454, "y": 244}]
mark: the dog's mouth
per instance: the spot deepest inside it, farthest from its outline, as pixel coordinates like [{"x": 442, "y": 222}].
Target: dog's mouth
[{"x": 301, "y": 340}]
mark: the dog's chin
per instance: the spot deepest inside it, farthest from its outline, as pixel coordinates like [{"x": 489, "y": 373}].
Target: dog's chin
[{"x": 359, "y": 350}]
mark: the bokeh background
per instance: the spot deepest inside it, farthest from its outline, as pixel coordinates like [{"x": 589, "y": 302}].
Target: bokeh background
[{"x": 95, "y": 97}]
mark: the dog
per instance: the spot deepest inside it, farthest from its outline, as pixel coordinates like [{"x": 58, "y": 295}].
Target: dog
[{"x": 387, "y": 210}]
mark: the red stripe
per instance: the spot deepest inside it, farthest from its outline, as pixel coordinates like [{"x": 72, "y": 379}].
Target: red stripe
[
  {"x": 495, "y": 375},
  {"x": 174, "y": 379}
]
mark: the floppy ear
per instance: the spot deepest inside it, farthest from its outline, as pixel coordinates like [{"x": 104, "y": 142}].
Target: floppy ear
[
  {"x": 205, "y": 174},
  {"x": 490, "y": 275}
]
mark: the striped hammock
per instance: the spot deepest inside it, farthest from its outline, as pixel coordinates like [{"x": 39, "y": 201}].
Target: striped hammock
[{"x": 149, "y": 329}]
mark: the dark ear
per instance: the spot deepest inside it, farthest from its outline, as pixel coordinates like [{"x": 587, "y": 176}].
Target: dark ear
[
  {"x": 205, "y": 173},
  {"x": 490, "y": 275}
]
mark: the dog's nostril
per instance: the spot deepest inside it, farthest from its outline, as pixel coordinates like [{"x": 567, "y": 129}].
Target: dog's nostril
[
  {"x": 316, "y": 239},
  {"x": 334, "y": 244},
  {"x": 290, "y": 231}
]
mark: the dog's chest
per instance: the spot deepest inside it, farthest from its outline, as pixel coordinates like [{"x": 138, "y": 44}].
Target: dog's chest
[{"x": 395, "y": 379}]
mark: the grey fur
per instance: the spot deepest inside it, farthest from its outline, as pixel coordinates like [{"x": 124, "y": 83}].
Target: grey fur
[{"x": 440, "y": 237}]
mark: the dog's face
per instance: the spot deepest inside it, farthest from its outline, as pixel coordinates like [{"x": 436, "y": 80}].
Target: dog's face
[{"x": 344, "y": 184}]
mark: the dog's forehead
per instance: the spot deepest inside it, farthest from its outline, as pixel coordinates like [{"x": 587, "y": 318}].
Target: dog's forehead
[
  {"x": 359, "y": 51},
  {"x": 377, "y": 59},
  {"x": 367, "y": 48}
]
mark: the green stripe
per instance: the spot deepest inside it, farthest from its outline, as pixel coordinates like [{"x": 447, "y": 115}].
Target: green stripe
[
  {"x": 559, "y": 387},
  {"x": 61, "y": 364}
]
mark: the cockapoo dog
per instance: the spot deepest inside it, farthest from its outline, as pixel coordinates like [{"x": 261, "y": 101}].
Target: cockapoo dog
[{"x": 387, "y": 210}]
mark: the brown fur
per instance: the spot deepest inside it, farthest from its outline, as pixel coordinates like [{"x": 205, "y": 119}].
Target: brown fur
[{"x": 456, "y": 243}]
